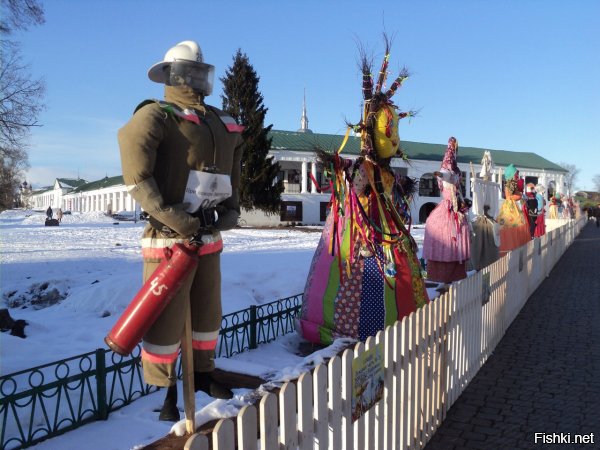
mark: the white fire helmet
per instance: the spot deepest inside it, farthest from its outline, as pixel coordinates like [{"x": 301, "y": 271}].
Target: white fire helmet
[{"x": 184, "y": 64}]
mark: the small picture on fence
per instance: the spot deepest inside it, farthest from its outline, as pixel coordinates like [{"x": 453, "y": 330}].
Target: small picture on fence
[
  {"x": 521, "y": 260},
  {"x": 367, "y": 380},
  {"x": 486, "y": 288}
]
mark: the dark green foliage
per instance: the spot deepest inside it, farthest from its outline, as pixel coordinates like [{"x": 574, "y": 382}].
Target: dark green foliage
[{"x": 259, "y": 187}]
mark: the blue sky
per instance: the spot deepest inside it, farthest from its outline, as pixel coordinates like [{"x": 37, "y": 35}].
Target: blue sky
[{"x": 518, "y": 75}]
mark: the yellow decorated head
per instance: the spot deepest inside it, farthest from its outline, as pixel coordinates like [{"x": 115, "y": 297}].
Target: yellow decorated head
[{"x": 386, "y": 137}]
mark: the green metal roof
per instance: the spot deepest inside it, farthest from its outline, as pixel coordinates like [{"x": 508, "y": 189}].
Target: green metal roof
[
  {"x": 71, "y": 182},
  {"x": 99, "y": 184},
  {"x": 308, "y": 141},
  {"x": 42, "y": 190}
]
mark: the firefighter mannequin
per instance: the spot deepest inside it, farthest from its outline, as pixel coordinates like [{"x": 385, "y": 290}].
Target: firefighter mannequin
[{"x": 181, "y": 162}]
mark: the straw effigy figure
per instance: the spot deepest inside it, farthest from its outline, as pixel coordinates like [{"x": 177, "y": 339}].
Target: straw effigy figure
[
  {"x": 365, "y": 274},
  {"x": 514, "y": 226},
  {"x": 447, "y": 240},
  {"x": 485, "y": 241},
  {"x": 540, "y": 224}
]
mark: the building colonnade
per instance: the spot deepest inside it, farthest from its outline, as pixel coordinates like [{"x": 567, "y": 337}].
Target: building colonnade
[
  {"x": 298, "y": 170},
  {"x": 110, "y": 202},
  {"x": 116, "y": 199}
]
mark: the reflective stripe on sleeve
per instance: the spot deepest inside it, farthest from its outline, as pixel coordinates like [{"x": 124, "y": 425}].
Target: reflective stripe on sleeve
[{"x": 231, "y": 125}]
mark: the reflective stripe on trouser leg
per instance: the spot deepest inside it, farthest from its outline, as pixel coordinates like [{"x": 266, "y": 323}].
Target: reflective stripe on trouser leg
[
  {"x": 205, "y": 298},
  {"x": 161, "y": 342}
]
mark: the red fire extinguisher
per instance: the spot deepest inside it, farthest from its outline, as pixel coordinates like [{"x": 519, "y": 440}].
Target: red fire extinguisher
[{"x": 153, "y": 297}]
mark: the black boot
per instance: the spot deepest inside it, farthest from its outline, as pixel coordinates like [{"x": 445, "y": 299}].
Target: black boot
[
  {"x": 169, "y": 411},
  {"x": 203, "y": 381}
]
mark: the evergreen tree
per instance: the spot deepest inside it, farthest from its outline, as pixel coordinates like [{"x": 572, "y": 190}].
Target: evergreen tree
[{"x": 259, "y": 187}]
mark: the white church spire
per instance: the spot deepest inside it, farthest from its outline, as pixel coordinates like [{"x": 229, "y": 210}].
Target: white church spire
[{"x": 304, "y": 120}]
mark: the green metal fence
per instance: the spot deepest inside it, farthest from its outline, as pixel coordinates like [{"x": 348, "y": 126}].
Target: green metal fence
[
  {"x": 246, "y": 329},
  {"x": 49, "y": 400}
]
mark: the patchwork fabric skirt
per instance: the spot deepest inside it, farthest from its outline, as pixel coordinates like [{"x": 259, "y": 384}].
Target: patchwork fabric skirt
[{"x": 349, "y": 293}]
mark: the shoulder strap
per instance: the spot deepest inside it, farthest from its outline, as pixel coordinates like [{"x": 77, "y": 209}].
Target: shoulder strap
[
  {"x": 228, "y": 122},
  {"x": 173, "y": 110},
  {"x": 144, "y": 103}
]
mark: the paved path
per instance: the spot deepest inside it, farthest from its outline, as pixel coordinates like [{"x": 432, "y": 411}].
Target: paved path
[{"x": 544, "y": 376}]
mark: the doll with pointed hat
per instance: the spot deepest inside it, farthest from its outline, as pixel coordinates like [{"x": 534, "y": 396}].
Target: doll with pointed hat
[{"x": 447, "y": 240}]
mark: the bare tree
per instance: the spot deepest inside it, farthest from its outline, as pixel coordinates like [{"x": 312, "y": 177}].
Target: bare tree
[
  {"x": 570, "y": 176},
  {"x": 20, "y": 99},
  {"x": 20, "y": 15},
  {"x": 20, "y": 96}
]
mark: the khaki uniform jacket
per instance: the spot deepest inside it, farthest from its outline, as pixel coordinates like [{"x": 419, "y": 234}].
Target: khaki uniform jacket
[{"x": 158, "y": 144}]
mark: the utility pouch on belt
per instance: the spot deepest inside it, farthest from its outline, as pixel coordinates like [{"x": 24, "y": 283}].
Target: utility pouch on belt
[{"x": 206, "y": 216}]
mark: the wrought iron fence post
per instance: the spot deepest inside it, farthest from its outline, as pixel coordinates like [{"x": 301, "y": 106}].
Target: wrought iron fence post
[
  {"x": 101, "y": 384},
  {"x": 253, "y": 326}
]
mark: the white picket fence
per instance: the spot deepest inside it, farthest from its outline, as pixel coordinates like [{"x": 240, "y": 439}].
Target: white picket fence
[{"x": 430, "y": 357}]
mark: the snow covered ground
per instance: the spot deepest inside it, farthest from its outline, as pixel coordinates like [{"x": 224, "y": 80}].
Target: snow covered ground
[{"x": 93, "y": 268}]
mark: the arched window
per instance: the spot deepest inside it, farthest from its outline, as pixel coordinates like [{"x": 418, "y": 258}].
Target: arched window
[
  {"x": 531, "y": 179},
  {"x": 428, "y": 186},
  {"x": 425, "y": 210}
]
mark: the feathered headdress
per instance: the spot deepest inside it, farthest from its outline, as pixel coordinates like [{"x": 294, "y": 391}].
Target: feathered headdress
[{"x": 378, "y": 126}]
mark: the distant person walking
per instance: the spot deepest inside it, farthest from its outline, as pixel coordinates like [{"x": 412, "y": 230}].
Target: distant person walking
[
  {"x": 59, "y": 215},
  {"x": 49, "y": 212},
  {"x": 597, "y": 215}
]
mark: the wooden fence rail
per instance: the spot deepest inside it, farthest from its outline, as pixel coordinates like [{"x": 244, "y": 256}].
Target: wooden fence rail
[{"x": 429, "y": 359}]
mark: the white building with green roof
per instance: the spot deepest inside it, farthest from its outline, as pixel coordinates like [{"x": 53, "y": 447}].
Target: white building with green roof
[
  {"x": 53, "y": 195},
  {"x": 107, "y": 195},
  {"x": 306, "y": 196},
  {"x": 306, "y": 202}
]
